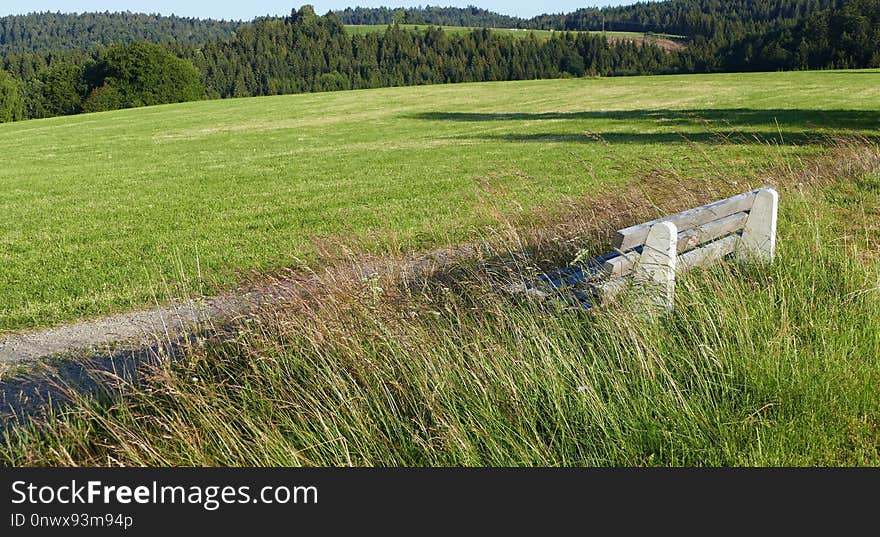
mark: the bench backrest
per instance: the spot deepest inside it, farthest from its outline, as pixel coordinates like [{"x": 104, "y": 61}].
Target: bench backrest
[
  {"x": 654, "y": 251},
  {"x": 745, "y": 223}
]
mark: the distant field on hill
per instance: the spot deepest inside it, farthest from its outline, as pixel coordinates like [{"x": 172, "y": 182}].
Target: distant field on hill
[
  {"x": 105, "y": 212},
  {"x": 542, "y": 34}
]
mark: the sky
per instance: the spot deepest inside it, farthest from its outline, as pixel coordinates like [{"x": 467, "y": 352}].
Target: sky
[{"x": 254, "y": 8}]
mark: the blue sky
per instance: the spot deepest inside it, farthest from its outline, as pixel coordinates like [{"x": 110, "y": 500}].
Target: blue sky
[{"x": 250, "y": 9}]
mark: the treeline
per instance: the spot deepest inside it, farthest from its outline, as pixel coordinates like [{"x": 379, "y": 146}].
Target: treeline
[
  {"x": 691, "y": 18},
  {"x": 434, "y": 15},
  {"x": 305, "y": 53},
  {"x": 723, "y": 35},
  {"x": 681, "y": 17},
  {"x": 836, "y": 39},
  {"x": 42, "y": 32},
  {"x": 109, "y": 78}
]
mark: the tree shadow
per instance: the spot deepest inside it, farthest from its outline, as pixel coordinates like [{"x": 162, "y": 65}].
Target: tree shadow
[
  {"x": 847, "y": 73},
  {"x": 49, "y": 386},
  {"x": 857, "y": 120},
  {"x": 792, "y": 138}
]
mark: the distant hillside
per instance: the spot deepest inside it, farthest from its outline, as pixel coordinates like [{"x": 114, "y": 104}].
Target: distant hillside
[
  {"x": 680, "y": 17},
  {"x": 664, "y": 41},
  {"x": 843, "y": 38},
  {"x": 686, "y": 17},
  {"x": 306, "y": 52},
  {"x": 439, "y": 16},
  {"x": 41, "y": 32},
  {"x": 44, "y": 32}
]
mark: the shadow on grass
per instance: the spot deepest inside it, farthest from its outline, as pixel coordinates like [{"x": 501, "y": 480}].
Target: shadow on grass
[
  {"x": 795, "y": 138},
  {"x": 856, "y": 120},
  {"x": 48, "y": 386}
]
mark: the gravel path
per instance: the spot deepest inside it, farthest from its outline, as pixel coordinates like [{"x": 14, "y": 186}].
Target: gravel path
[
  {"x": 165, "y": 323},
  {"x": 142, "y": 326}
]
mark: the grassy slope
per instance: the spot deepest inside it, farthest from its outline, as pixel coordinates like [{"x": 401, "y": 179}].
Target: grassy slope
[
  {"x": 99, "y": 211},
  {"x": 544, "y": 34},
  {"x": 667, "y": 41}
]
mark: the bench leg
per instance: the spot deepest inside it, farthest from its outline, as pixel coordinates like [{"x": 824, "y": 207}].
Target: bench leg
[
  {"x": 758, "y": 241},
  {"x": 655, "y": 269}
]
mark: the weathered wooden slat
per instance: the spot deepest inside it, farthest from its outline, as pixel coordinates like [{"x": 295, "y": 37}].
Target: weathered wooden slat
[
  {"x": 712, "y": 251},
  {"x": 711, "y": 231},
  {"x": 708, "y": 253},
  {"x": 633, "y": 236},
  {"x": 621, "y": 265}
]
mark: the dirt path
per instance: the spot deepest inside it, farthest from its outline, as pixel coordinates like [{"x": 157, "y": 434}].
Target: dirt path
[
  {"x": 140, "y": 327},
  {"x": 147, "y": 326},
  {"x": 168, "y": 322}
]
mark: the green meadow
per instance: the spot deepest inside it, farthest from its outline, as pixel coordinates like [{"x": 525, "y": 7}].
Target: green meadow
[{"x": 111, "y": 211}]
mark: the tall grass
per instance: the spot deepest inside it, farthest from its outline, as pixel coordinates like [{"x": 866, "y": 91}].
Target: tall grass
[{"x": 758, "y": 365}]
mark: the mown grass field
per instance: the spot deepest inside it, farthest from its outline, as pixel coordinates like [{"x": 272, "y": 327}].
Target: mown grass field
[{"x": 110, "y": 211}]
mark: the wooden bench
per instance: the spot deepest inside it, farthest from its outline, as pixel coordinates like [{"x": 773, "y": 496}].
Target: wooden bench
[{"x": 649, "y": 254}]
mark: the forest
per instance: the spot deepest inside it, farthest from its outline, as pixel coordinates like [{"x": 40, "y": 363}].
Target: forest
[
  {"x": 681, "y": 17},
  {"x": 42, "y": 32},
  {"x": 184, "y": 59}
]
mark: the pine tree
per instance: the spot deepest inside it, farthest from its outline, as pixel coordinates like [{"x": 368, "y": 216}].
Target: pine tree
[{"x": 11, "y": 101}]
